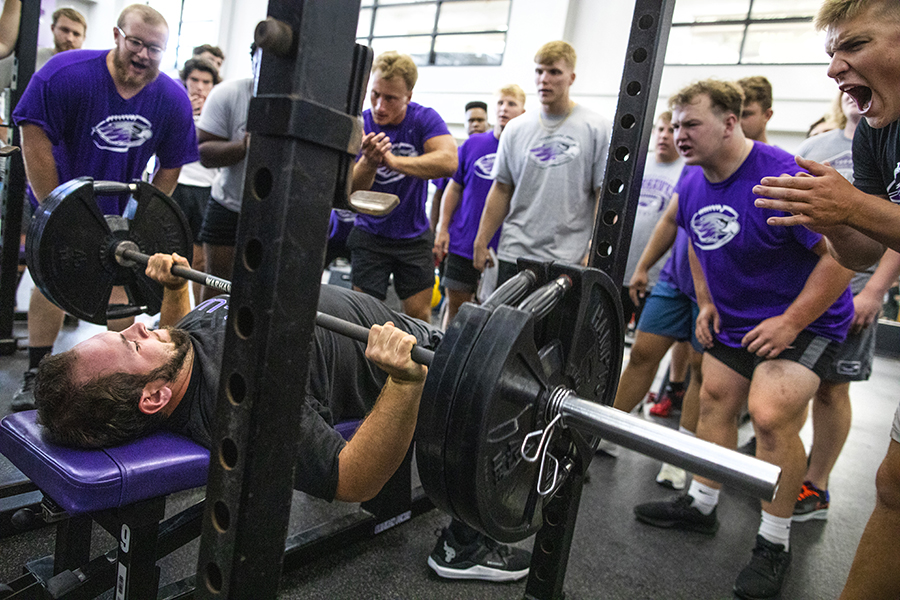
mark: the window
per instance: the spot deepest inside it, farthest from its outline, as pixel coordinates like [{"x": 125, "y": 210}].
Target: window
[
  {"x": 745, "y": 32},
  {"x": 191, "y": 24},
  {"x": 437, "y": 32}
]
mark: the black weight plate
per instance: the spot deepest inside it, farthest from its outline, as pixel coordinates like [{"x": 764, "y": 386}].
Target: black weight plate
[
  {"x": 495, "y": 406},
  {"x": 444, "y": 374},
  {"x": 63, "y": 251}
]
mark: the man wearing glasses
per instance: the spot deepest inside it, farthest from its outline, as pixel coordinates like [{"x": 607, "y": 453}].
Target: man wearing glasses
[{"x": 102, "y": 114}]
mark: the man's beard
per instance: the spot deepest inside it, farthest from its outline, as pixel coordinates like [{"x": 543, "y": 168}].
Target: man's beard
[
  {"x": 121, "y": 66},
  {"x": 170, "y": 370}
]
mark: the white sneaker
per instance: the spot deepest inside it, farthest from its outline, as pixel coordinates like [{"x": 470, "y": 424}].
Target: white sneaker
[{"x": 671, "y": 477}]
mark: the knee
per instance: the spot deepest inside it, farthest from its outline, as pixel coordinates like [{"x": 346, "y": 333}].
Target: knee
[
  {"x": 887, "y": 483},
  {"x": 642, "y": 356}
]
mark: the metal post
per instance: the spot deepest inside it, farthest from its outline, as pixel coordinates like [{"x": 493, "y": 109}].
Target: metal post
[
  {"x": 301, "y": 126},
  {"x": 14, "y": 188}
]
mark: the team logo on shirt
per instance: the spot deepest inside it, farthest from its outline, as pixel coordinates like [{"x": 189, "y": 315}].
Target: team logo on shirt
[
  {"x": 714, "y": 226},
  {"x": 484, "y": 165},
  {"x": 655, "y": 195},
  {"x": 893, "y": 190},
  {"x": 384, "y": 175},
  {"x": 554, "y": 151},
  {"x": 120, "y": 133}
]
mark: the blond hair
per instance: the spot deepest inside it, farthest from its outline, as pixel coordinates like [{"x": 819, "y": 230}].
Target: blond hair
[
  {"x": 513, "y": 91},
  {"x": 393, "y": 64},
  {"x": 833, "y": 11},
  {"x": 725, "y": 96},
  {"x": 551, "y": 52}
]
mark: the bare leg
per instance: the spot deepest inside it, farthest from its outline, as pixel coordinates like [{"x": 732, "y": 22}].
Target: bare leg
[
  {"x": 681, "y": 355},
  {"x": 874, "y": 574},
  {"x": 832, "y": 415},
  {"x": 419, "y": 305},
  {"x": 44, "y": 320},
  {"x": 690, "y": 409},
  {"x": 646, "y": 352},
  {"x": 455, "y": 299}
]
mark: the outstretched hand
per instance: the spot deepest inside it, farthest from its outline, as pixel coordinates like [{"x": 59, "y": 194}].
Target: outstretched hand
[
  {"x": 159, "y": 268},
  {"x": 817, "y": 199},
  {"x": 390, "y": 348}
]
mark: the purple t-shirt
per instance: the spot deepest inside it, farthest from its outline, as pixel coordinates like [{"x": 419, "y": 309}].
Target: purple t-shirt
[
  {"x": 476, "y": 160},
  {"x": 677, "y": 270},
  {"x": 97, "y": 133},
  {"x": 408, "y": 138},
  {"x": 753, "y": 270}
]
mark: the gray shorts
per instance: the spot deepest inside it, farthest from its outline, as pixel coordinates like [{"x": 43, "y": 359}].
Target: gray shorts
[{"x": 853, "y": 361}]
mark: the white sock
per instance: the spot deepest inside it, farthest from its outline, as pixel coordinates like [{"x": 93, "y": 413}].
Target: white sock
[
  {"x": 682, "y": 429},
  {"x": 705, "y": 498},
  {"x": 776, "y": 529}
]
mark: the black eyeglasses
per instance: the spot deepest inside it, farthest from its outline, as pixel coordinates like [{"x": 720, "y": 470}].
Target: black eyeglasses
[{"x": 136, "y": 45}]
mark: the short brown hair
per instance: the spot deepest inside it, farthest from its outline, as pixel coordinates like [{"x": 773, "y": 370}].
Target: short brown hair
[
  {"x": 725, "y": 96},
  {"x": 513, "y": 90},
  {"x": 551, "y": 52},
  {"x": 214, "y": 50},
  {"x": 69, "y": 13},
  {"x": 393, "y": 64},
  {"x": 665, "y": 115},
  {"x": 148, "y": 15},
  {"x": 198, "y": 64},
  {"x": 833, "y": 11},
  {"x": 757, "y": 89}
]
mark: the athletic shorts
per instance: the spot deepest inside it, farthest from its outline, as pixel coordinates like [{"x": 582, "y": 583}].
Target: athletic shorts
[
  {"x": 814, "y": 352},
  {"x": 219, "y": 225},
  {"x": 670, "y": 313},
  {"x": 505, "y": 271},
  {"x": 192, "y": 199},
  {"x": 374, "y": 258},
  {"x": 459, "y": 274},
  {"x": 853, "y": 360}
]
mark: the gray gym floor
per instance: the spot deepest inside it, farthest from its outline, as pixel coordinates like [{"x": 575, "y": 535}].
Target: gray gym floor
[{"x": 613, "y": 556}]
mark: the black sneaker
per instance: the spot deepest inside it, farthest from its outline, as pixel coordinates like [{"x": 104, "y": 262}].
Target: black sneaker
[
  {"x": 677, "y": 514},
  {"x": 763, "y": 577},
  {"x": 749, "y": 448},
  {"x": 812, "y": 503},
  {"x": 23, "y": 399},
  {"x": 482, "y": 559}
]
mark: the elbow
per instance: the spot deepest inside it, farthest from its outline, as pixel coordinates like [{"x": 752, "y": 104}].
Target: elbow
[{"x": 357, "y": 493}]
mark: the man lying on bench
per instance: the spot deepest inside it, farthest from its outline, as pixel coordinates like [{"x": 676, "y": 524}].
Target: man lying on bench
[{"x": 114, "y": 387}]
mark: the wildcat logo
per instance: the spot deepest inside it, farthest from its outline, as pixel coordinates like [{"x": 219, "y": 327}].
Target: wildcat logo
[
  {"x": 714, "y": 226},
  {"x": 893, "y": 190},
  {"x": 120, "y": 133},
  {"x": 555, "y": 151},
  {"x": 484, "y": 165},
  {"x": 384, "y": 175}
]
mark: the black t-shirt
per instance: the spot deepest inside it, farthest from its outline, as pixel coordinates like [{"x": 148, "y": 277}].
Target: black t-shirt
[
  {"x": 876, "y": 160},
  {"x": 343, "y": 385}
]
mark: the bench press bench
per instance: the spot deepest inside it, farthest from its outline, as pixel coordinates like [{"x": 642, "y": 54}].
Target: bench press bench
[{"x": 124, "y": 489}]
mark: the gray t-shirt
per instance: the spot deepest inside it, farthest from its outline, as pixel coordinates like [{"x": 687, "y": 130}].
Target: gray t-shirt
[
  {"x": 657, "y": 188},
  {"x": 6, "y": 65},
  {"x": 225, "y": 115},
  {"x": 556, "y": 170}
]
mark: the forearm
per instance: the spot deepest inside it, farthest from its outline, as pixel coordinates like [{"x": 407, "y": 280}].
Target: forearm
[
  {"x": 9, "y": 26},
  {"x": 701, "y": 290},
  {"x": 824, "y": 285},
  {"x": 885, "y": 275},
  {"x": 40, "y": 166},
  {"x": 449, "y": 204},
  {"x": 176, "y": 303},
  {"x": 431, "y": 165},
  {"x": 496, "y": 207},
  {"x": 381, "y": 442},
  {"x": 363, "y": 175},
  {"x": 221, "y": 153},
  {"x": 662, "y": 239},
  {"x": 165, "y": 180}
]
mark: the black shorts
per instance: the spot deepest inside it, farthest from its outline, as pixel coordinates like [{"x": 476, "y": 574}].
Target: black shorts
[
  {"x": 192, "y": 199},
  {"x": 219, "y": 225},
  {"x": 505, "y": 271},
  {"x": 814, "y": 352},
  {"x": 373, "y": 259},
  {"x": 459, "y": 274}
]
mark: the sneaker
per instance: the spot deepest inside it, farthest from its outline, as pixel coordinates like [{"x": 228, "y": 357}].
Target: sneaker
[
  {"x": 762, "y": 578},
  {"x": 608, "y": 448},
  {"x": 677, "y": 514},
  {"x": 483, "y": 559},
  {"x": 749, "y": 448},
  {"x": 669, "y": 403},
  {"x": 23, "y": 399},
  {"x": 811, "y": 504},
  {"x": 671, "y": 476}
]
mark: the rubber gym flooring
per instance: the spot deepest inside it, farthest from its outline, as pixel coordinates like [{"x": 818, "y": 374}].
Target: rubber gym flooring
[{"x": 613, "y": 556}]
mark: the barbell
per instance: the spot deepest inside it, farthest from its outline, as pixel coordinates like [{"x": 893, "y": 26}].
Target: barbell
[{"x": 516, "y": 389}]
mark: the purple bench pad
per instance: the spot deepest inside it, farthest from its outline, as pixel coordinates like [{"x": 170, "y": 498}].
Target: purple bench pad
[{"x": 83, "y": 481}]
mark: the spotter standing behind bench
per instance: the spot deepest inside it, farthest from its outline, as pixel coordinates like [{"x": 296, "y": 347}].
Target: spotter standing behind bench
[{"x": 118, "y": 386}]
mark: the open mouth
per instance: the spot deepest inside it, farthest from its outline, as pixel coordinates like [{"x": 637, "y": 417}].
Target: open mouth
[{"x": 861, "y": 94}]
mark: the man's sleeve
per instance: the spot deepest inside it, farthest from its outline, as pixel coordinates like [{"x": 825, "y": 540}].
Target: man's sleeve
[
  {"x": 866, "y": 174},
  {"x": 215, "y": 118},
  {"x": 179, "y": 144},
  {"x": 460, "y": 170},
  {"x": 432, "y": 124},
  {"x": 319, "y": 445},
  {"x": 40, "y": 105}
]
